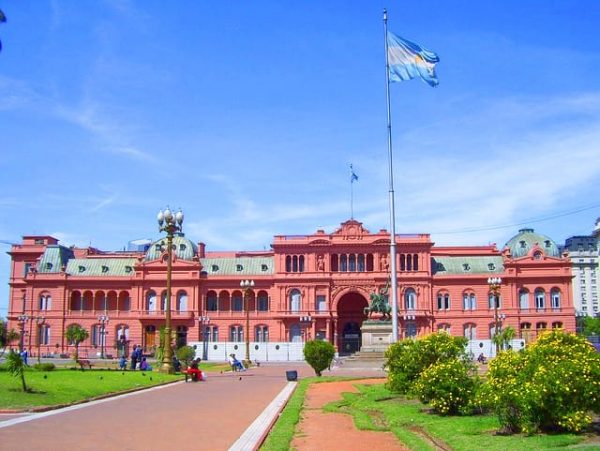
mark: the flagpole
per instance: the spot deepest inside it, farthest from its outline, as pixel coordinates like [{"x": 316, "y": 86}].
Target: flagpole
[
  {"x": 391, "y": 191},
  {"x": 351, "y": 192}
]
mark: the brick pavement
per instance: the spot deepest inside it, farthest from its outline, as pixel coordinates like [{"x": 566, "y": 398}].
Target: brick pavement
[{"x": 209, "y": 415}]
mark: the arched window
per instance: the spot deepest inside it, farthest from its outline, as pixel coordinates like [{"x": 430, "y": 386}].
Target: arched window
[
  {"x": 470, "y": 331},
  {"x": 369, "y": 262},
  {"x": 523, "y": 299},
  {"x": 295, "y": 300},
  {"x": 237, "y": 301},
  {"x": 263, "y": 302},
  {"x": 181, "y": 339},
  {"x": 211, "y": 333},
  {"x": 88, "y": 301},
  {"x": 261, "y": 333},
  {"x": 555, "y": 298},
  {"x": 295, "y": 263},
  {"x": 334, "y": 262},
  {"x": 443, "y": 327},
  {"x": 76, "y": 303},
  {"x": 295, "y": 333},
  {"x": 212, "y": 301},
  {"x": 410, "y": 299},
  {"x": 540, "y": 299},
  {"x": 236, "y": 333},
  {"x": 443, "y": 301},
  {"x": 343, "y": 263},
  {"x": 124, "y": 302},
  {"x": 288, "y": 264},
  {"x": 415, "y": 262},
  {"x": 402, "y": 262},
  {"x": 494, "y": 300},
  {"x": 352, "y": 263},
  {"x": 541, "y": 326},
  {"x": 409, "y": 262},
  {"x": 122, "y": 333},
  {"x": 151, "y": 301},
  {"x": 557, "y": 325},
  {"x": 301, "y": 263},
  {"x": 469, "y": 301},
  {"x": 163, "y": 297},
  {"x": 361, "y": 263},
  {"x": 182, "y": 301},
  {"x": 45, "y": 302},
  {"x": 526, "y": 332}
]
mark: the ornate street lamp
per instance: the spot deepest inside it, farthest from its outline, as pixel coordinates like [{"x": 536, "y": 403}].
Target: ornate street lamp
[
  {"x": 203, "y": 322},
  {"x": 103, "y": 319},
  {"x": 39, "y": 321},
  {"x": 494, "y": 284},
  {"x": 171, "y": 224},
  {"x": 305, "y": 323},
  {"x": 247, "y": 285},
  {"x": 22, "y": 319}
]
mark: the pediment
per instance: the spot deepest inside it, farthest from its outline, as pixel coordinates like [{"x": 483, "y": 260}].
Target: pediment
[{"x": 351, "y": 230}]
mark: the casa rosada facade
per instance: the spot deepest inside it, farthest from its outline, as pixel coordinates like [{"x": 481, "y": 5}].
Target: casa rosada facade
[{"x": 305, "y": 287}]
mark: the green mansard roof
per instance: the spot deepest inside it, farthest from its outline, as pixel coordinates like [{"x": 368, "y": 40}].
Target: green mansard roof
[
  {"x": 238, "y": 266},
  {"x": 467, "y": 265},
  {"x": 53, "y": 259},
  {"x": 93, "y": 267}
]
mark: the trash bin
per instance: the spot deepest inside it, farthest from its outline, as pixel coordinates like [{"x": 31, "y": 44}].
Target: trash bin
[{"x": 291, "y": 376}]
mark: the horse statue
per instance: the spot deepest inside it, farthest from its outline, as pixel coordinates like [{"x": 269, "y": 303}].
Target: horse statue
[{"x": 380, "y": 304}]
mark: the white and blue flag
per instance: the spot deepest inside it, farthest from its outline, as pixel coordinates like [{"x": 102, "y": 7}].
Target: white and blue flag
[{"x": 408, "y": 60}]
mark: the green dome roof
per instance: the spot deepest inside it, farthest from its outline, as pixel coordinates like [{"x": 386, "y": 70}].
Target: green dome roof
[
  {"x": 526, "y": 239},
  {"x": 184, "y": 249}
]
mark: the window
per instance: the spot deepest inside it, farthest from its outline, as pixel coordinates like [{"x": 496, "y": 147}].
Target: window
[
  {"x": 410, "y": 328},
  {"x": 537, "y": 255},
  {"x": 263, "y": 302},
  {"x": 104, "y": 269},
  {"x": 236, "y": 333},
  {"x": 182, "y": 299},
  {"x": 45, "y": 302},
  {"x": 361, "y": 263},
  {"x": 212, "y": 302},
  {"x": 238, "y": 302},
  {"x": 26, "y": 269},
  {"x": 43, "y": 334},
  {"x": 261, "y": 334},
  {"x": 466, "y": 267},
  {"x": 555, "y": 298},
  {"x": 295, "y": 333},
  {"x": 523, "y": 299},
  {"x": 493, "y": 330},
  {"x": 343, "y": 263},
  {"x": 151, "y": 301},
  {"x": 469, "y": 301},
  {"x": 239, "y": 268},
  {"x": 352, "y": 263},
  {"x": 128, "y": 269},
  {"x": 321, "y": 303},
  {"x": 540, "y": 326},
  {"x": 182, "y": 247},
  {"x": 540, "y": 299},
  {"x": 557, "y": 325},
  {"x": 81, "y": 269},
  {"x": 470, "y": 331},
  {"x": 494, "y": 301},
  {"x": 214, "y": 268},
  {"x": 410, "y": 299},
  {"x": 444, "y": 327},
  {"x": 49, "y": 266},
  {"x": 491, "y": 267},
  {"x": 264, "y": 267},
  {"x": 443, "y": 301},
  {"x": 295, "y": 300}
]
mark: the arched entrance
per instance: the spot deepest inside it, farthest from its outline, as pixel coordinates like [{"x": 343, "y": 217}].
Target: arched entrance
[{"x": 350, "y": 317}]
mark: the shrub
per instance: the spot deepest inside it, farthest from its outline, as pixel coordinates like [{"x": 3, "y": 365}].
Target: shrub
[
  {"x": 186, "y": 354},
  {"x": 448, "y": 387},
  {"x": 552, "y": 385},
  {"x": 46, "y": 366},
  {"x": 318, "y": 355},
  {"x": 407, "y": 359}
]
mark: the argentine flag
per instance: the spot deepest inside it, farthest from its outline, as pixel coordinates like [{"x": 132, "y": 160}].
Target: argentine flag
[{"x": 408, "y": 60}]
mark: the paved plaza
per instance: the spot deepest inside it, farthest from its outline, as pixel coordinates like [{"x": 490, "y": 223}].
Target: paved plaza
[{"x": 228, "y": 411}]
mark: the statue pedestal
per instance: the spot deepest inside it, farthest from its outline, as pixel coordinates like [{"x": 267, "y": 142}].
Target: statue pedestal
[{"x": 376, "y": 336}]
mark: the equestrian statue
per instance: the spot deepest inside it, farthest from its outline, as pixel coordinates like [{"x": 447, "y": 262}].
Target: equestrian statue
[{"x": 380, "y": 304}]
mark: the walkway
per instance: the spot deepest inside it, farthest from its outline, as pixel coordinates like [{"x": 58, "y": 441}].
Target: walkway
[{"x": 209, "y": 415}]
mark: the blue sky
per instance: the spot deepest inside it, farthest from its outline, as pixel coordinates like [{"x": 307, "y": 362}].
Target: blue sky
[{"x": 248, "y": 114}]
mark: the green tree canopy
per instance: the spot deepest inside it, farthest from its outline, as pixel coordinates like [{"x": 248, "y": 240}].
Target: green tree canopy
[{"x": 76, "y": 334}]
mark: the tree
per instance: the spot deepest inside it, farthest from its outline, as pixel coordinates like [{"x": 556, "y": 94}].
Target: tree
[
  {"x": 76, "y": 335},
  {"x": 318, "y": 355},
  {"x": 503, "y": 338},
  {"x": 16, "y": 367},
  {"x": 591, "y": 326},
  {"x": 6, "y": 336},
  {"x": 186, "y": 354}
]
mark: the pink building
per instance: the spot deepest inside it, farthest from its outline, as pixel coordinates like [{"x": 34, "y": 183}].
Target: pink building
[{"x": 309, "y": 286}]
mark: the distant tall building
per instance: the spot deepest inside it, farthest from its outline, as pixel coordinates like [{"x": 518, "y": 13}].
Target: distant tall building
[
  {"x": 585, "y": 257},
  {"x": 140, "y": 245}
]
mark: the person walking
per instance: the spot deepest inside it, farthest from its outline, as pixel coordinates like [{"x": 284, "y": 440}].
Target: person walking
[{"x": 134, "y": 357}]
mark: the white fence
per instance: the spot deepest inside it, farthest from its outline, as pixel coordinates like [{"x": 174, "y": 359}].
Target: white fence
[
  {"x": 488, "y": 348},
  {"x": 263, "y": 352}
]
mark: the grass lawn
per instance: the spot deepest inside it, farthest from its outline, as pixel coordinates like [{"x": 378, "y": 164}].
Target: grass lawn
[{"x": 376, "y": 408}]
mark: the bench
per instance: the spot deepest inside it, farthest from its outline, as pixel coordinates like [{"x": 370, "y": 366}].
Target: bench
[{"x": 83, "y": 363}]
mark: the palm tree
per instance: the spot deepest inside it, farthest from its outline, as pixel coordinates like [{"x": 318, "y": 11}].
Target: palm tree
[
  {"x": 16, "y": 367},
  {"x": 76, "y": 334},
  {"x": 503, "y": 338}
]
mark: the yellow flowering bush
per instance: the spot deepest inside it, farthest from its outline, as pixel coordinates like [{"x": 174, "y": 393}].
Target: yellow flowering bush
[
  {"x": 448, "y": 387},
  {"x": 407, "y": 359},
  {"x": 551, "y": 385}
]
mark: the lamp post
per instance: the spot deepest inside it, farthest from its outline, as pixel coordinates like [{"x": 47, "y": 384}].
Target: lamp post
[
  {"x": 169, "y": 223},
  {"x": 103, "y": 319},
  {"x": 203, "y": 322},
  {"x": 494, "y": 284},
  {"x": 305, "y": 323},
  {"x": 22, "y": 319},
  {"x": 39, "y": 321},
  {"x": 247, "y": 285}
]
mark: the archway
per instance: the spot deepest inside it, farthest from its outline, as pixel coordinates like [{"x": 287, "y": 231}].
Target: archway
[{"x": 350, "y": 317}]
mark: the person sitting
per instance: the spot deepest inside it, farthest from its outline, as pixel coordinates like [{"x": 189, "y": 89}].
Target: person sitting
[
  {"x": 144, "y": 364},
  {"x": 236, "y": 365},
  {"x": 194, "y": 371},
  {"x": 481, "y": 358},
  {"x": 122, "y": 363},
  {"x": 176, "y": 364}
]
